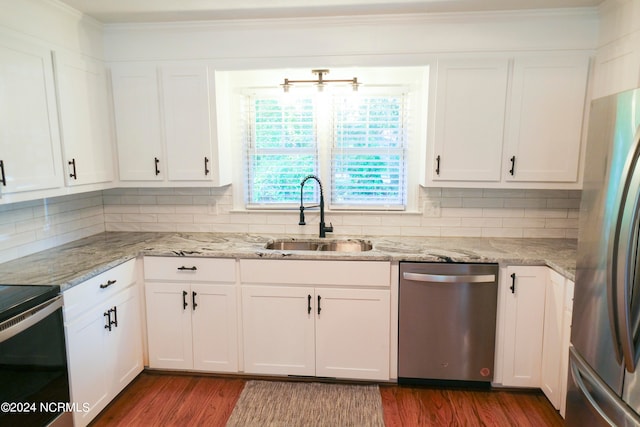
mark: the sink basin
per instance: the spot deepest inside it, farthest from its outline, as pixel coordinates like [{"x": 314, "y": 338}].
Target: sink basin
[{"x": 349, "y": 245}]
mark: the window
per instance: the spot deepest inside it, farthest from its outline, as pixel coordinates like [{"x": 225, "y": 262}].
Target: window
[
  {"x": 282, "y": 149},
  {"x": 368, "y": 152},
  {"x": 357, "y": 143}
]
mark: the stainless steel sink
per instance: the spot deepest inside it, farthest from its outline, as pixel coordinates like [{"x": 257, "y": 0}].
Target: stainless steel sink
[{"x": 348, "y": 245}]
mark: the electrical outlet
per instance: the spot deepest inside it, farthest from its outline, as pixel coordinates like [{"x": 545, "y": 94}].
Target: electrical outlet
[{"x": 431, "y": 209}]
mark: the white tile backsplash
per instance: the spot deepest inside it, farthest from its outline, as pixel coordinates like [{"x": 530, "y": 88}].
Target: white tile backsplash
[
  {"x": 32, "y": 226},
  {"x": 451, "y": 212},
  {"x": 28, "y": 227}
]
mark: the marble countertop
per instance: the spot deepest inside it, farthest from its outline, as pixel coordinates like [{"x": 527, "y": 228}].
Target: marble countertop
[{"x": 75, "y": 262}]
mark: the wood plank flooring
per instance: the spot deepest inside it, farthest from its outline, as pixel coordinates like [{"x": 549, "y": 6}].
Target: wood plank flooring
[{"x": 160, "y": 399}]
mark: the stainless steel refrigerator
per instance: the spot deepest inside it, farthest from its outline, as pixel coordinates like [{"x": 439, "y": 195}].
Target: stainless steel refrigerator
[{"x": 604, "y": 379}]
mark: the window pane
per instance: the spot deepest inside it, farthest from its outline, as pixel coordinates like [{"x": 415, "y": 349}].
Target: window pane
[
  {"x": 276, "y": 178},
  {"x": 368, "y": 122},
  {"x": 284, "y": 125},
  {"x": 282, "y": 150},
  {"x": 370, "y": 179},
  {"x": 368, "y": 152}
]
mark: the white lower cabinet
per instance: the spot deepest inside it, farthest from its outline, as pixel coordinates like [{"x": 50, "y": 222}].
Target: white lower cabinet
[
  {"x": 104, "y": 338},
  {"x": 278, "y": 327},
  {"x": 534, "y": 331},
  {"x": 352, "y": 333},
  {"x": 557, "y": 336},
  {"x": 294, "y": 324},
  {"x": 521, "y": 313},
  {"x": 191, "y": 325}
]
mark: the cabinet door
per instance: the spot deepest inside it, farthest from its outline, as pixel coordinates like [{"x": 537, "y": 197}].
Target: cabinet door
[
  {"x": 523, "y": 298},
  {"x": 29, "y": 140},
  {"x": 552, "y": 338},
  {"x": 169, "y": 325},
  {"x": 352, "y": 333},
  {"x": 278, "y": 328},
  {"x": 546, "y": 109},
  {"x": 125, "y": 339},
  {"x": 188, "y": 122},
  {"x": 90, "y": 367},
  {"x": 469, "y": 119},
  {"x": 137, "y": 118},
  {"x": 215, "y": 331},
  {"x": 566, "y": 343},
  {"x": 84, "y": 118}
]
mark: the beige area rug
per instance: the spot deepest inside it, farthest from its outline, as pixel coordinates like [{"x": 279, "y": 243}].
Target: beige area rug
[{"x": 294, "y": 404}]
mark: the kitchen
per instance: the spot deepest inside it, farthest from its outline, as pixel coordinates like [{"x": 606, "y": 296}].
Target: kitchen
[{"x": 63, "y": 211}]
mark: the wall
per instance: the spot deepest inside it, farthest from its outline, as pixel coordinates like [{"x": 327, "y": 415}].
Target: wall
[
  {"x": 618, "y": 53},
  {"x": 29, "y": 227},
  {"x": 446, "y": 212}
]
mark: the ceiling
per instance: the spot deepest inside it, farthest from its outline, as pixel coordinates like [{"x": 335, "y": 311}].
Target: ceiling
[{"x": 115, "y": 11}]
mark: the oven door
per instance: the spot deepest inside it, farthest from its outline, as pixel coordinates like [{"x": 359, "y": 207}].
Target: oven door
[{"x": 34, "y": 383}]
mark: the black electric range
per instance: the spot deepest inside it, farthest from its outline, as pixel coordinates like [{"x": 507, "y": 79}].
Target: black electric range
[{"x": 15, "y": 299}]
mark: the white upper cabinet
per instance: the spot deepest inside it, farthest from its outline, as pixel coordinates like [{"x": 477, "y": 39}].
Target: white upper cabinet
[
  {"x": 189, "y": 122},
  {"x": 137, "y": 122},
  {"x": 84, "y": 119},
  {"x": 546, "y": 110},
  {"x": 508, "y": 122},
  {"x": 166, "y": 125},
  {"x": 30, "y": 157},
  {"x": 469, "y": 123}
]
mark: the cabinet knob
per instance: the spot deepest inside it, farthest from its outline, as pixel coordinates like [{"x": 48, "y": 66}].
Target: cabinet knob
[
  {"x": 157, "y": 162},
  {"x": 513, "y": 283},
  {"x": 438, "y": 165},
  {"x": 206, "y": 166},
  {"x": 513, "y": 165},
  {"x": 184, "y": 300}
]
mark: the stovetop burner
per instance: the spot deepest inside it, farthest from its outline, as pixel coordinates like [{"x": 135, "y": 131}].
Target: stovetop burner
[{"x": 15, "y": 299}]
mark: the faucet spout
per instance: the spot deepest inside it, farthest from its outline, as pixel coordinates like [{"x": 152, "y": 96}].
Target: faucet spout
[{"x": 323, "y": 228}]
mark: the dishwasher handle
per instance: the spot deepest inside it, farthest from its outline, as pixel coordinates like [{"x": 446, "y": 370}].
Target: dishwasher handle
[{"x": 456, "y": 278}]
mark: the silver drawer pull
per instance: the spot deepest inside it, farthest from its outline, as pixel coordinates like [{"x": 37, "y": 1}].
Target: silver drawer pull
[{"x": 441, "y": 278}]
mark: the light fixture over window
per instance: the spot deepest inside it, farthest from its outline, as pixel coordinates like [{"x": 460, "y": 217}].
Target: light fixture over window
[{"x": 320, "y": 81}]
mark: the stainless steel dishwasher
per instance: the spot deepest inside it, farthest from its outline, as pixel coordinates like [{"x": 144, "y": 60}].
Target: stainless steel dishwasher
[{"x": 447, "y": 322}]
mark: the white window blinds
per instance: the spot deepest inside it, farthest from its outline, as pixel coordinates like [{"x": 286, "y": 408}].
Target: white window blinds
[
  {"x": 363, "y": 135},
  {"x": 281, "y": 148},
  {"x": 368, "y": 152}
]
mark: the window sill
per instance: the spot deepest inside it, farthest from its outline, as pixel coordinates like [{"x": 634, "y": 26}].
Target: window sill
[{"x": 328, "y": 212}]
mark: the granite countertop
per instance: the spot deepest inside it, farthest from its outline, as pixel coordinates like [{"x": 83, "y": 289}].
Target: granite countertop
[{"x": 75, "y": 262}]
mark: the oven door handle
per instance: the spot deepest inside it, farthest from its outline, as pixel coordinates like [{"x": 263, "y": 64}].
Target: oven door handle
[{"x": 12, "y": 327}]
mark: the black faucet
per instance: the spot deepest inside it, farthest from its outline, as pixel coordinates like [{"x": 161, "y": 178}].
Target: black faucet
[{"x": 323, "y": 229}]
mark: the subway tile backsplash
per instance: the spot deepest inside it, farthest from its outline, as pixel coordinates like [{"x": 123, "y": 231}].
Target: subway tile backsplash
[
  {"x": 443, "y": 212},
  {"x": 28, "y": 227}
]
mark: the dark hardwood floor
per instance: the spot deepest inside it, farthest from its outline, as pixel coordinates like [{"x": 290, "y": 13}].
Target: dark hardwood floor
[{"x": 160, "y": 399}]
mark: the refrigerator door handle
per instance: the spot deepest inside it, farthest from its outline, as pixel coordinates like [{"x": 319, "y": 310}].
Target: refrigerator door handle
[
  {"x": 601, "y": 398},
  {"x": 627, "y": 314}
]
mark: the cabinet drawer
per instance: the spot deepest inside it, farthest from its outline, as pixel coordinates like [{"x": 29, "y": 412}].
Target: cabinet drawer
[
  {"x": 310, "y": 272},
  {"x": 97, "y": 289},
  {"x": 190, "y": 269}
]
